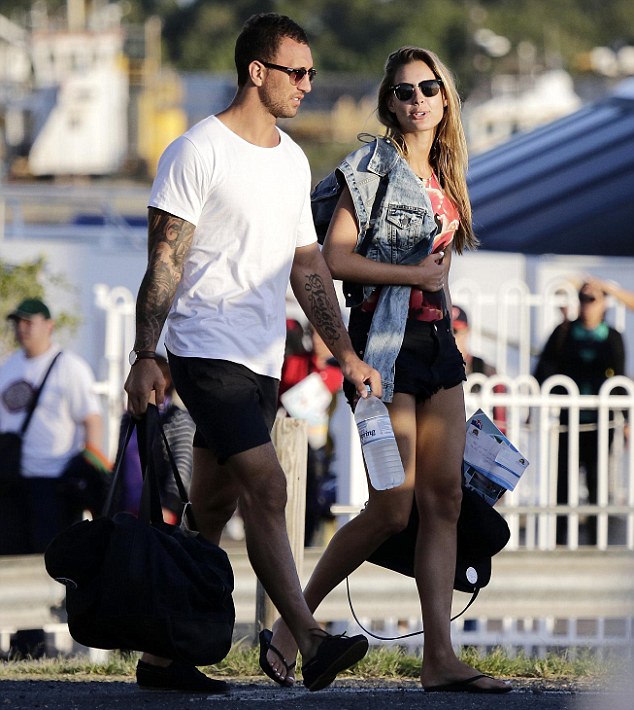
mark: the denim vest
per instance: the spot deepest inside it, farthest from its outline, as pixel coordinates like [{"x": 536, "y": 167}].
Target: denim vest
[{"x": 404, "y": 234}]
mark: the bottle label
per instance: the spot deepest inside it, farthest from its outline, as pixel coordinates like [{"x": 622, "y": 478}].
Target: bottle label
[{"x": 375, "y": 429}]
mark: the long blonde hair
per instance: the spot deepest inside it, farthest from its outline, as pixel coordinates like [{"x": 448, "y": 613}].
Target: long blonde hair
[{"x": 448, "y": 155}]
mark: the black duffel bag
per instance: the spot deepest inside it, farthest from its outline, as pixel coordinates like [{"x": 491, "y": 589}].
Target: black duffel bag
[{"x": 141, "y": 584}]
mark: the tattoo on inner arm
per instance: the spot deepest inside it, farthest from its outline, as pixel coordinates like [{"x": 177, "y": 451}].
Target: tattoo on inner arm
[{"x": 325, "y": 315}]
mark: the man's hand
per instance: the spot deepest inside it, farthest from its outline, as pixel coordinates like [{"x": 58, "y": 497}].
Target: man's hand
[
  {"x": 145, "y": 377},
  {"x": 361, "y": 375}
]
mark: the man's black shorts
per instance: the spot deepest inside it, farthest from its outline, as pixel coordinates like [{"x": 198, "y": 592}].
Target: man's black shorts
[{"x": 233, "y": 407}]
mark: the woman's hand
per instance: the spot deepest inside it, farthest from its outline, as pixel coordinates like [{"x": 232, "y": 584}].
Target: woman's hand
[{"x": 432, "y": 272}]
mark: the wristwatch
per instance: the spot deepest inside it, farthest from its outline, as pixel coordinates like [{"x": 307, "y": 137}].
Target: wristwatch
[{"x": 136, "y": 355}]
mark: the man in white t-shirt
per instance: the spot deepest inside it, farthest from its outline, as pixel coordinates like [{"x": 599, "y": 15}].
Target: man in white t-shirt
[
  {"x": 229, "y": 224},
  {"x": 65, "y": 422}
]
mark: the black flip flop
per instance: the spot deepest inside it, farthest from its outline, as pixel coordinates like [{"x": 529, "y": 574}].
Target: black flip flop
[
  {"x": 334, "y": 654},
  {"x": 265, "y": 637},
  {"x": 466, "y": 686}
]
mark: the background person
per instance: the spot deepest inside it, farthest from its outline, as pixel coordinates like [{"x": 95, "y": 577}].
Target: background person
[
  {"x": 229, "y": 224},
  {"x": 179, "y": 431},
  {"x": 403, "y": 327},
  {"x": 589, "y": 351},
  {"x": 613, "y": 289},
  {"x": 320, "y": 482},
  {"x": 66, "y": 422},
  {"x": 474, "y": 363}
]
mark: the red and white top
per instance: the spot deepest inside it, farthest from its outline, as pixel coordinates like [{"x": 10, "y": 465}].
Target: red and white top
[{"x": 426, "y": 305}]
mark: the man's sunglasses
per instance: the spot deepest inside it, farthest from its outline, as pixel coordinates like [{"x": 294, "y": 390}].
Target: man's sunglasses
[
  {"x": 429, "y": 87},
  {"x": 295, "y": 75}
]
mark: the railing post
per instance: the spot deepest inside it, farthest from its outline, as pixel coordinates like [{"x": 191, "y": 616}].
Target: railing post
[{"x": 290, "y": 439}]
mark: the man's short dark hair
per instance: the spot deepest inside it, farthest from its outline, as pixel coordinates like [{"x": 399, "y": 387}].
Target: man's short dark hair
[{"x": 260, "y": 39}]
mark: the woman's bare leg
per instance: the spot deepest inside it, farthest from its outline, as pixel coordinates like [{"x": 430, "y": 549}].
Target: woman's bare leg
[
  {"x": 440, "y": 450},
  {"x": 386, "y": 513}
]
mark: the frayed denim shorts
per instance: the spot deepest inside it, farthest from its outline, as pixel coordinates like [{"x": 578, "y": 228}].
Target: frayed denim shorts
[{"x": 429, "y": 359}]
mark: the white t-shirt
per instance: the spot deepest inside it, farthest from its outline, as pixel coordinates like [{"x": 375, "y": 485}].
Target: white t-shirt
[
  {"x": 251, "y": 209},
  {"x": 54, "y": 434}
]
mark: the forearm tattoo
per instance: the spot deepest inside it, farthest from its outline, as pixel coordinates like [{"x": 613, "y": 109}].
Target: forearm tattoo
[
  {"x": 324, "y": 314},
  {"x": 169, "y": 240}
]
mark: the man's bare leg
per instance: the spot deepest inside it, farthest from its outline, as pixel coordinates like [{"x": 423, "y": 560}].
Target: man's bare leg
[{"x": 261, "y": 483}]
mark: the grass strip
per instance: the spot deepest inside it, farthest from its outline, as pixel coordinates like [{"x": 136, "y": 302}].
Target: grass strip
[{"x": 385, "y": 662}]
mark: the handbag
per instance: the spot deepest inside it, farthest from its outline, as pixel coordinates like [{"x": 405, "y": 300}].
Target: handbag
[
  {"x": 11, "y": 443},
  {"x": 85, "y": 481},
  {"x": 482, "y": 533},
  {"x": 141, "y": 584}
]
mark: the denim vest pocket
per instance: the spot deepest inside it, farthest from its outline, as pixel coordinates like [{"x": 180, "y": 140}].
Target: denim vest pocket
[{"x": 405, "y": 227}]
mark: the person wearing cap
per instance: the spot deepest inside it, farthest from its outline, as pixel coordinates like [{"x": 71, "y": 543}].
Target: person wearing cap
[
  {"x": 589, "y": 351},
  {"x": 66, "y": 423}
]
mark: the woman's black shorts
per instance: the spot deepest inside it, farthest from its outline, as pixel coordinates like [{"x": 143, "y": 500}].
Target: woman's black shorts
[{"x": 428, "y": 360}]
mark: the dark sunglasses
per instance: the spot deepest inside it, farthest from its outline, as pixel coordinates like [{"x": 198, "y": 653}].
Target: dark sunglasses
[
  {"x": 429, "y": 87},
  {"x": 586, "y": 298},
  {"x": 295, "y": 75}
]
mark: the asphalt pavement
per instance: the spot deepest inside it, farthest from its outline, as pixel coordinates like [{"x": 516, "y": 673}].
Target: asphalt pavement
[{"x": 343, "y": 695}]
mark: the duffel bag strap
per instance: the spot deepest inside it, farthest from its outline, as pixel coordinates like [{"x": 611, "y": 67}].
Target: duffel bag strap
[{"x": 182, "y": 491}]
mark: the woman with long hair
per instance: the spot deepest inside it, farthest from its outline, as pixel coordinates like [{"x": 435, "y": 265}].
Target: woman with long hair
[{"x": 402, "y": 326}]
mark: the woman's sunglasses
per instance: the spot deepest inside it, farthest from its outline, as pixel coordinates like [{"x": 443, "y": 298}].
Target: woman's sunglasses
[
  {"x": 429, "y": 87},
  {"x": 295, "y": 75}
]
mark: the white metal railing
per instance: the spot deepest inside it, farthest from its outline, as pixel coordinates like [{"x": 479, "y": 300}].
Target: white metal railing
[
  {"x": 531, "y": 423},
  {"x": 119, "y": 307},
  {"x": 518, "y": 321},
  {"x": 534, "y": 636}
]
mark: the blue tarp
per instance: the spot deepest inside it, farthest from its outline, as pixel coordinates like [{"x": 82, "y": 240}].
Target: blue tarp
[{"x": 564, "y": 188}]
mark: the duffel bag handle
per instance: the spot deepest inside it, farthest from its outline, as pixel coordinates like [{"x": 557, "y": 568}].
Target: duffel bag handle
[{"x": 150, "y": 507}]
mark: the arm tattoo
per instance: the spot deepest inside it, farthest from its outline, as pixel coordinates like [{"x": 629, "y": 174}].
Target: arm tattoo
[
  {"x": 169, "y": 240},
  {"x": 324, "y": 315}
]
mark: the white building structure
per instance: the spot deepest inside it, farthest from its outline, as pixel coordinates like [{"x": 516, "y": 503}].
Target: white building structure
[
  {"x": 65, "y": 93},
  {"x": 515, "y": 107}
]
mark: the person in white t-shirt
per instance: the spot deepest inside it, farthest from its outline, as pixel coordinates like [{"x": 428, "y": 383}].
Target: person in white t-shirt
[
  {"x": 66, "y": 422},
  {"x": 229, "y": 223}
]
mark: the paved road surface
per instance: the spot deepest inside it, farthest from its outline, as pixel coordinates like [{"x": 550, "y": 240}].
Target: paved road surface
[{"x": 345, "y": 695}]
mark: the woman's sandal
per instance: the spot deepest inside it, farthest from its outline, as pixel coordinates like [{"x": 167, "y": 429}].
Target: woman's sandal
[
  {"x": 334, "y": 654},
  {"x": 265, "y": 637},
  {"x": 467, "y": 686}
]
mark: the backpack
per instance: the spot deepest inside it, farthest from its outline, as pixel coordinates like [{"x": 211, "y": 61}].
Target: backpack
[{"x": 323, "y": 201}]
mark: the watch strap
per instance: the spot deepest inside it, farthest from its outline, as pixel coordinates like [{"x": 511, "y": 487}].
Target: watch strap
[{"x": 145, "y": 354}]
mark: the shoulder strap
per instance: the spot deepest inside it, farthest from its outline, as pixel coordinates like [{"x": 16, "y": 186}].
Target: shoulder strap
[
  {"x": 474, "y": 596},
  {"x": 187, "y": 508},
  {"x": 36, "y": 396},
  {"x": 376, "y": 206}
]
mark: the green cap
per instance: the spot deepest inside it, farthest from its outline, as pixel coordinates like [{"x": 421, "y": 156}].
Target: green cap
[{"x": 28, "y": 308}]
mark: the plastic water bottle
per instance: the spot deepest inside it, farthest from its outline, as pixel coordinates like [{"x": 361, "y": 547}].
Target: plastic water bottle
[{"x": 378, "y": 444}]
